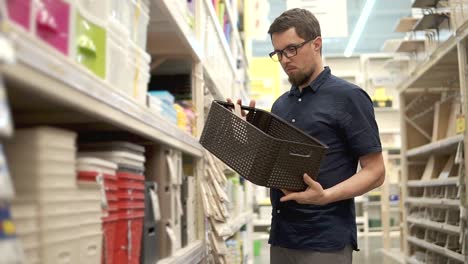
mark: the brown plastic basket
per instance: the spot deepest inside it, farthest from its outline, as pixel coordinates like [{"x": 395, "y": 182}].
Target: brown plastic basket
[{"x": 264, "y": 150}]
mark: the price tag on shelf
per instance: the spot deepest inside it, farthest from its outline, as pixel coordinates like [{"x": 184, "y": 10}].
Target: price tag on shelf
[{"x": 460, "y": 124}]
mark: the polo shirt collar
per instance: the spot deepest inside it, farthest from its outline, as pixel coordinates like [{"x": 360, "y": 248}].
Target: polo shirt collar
[{"x": 315, "y": 84}]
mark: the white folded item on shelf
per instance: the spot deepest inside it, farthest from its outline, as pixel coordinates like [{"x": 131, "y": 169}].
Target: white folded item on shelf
[
  {"x": 119, "y": 157},
  {"x": 44, "y": 136}
]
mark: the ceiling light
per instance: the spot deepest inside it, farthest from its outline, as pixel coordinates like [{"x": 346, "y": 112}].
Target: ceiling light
[{"x": 357, "y": 32}]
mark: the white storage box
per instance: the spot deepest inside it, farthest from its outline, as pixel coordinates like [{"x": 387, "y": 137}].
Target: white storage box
[
  {"x": 23, "y": 210},
  {"x": 32, "y": 255},
  {"x": 117, "y": 53},
  {"x": 95, "y": 164},
  {"x": 42, "y": 175},
  {"x": 61, "y": 208},
  {"x": 69, "y": 220},
  {"x": 87, "y": 229},
  {"x": 44, "y": 136},
  {"x": 141, "y": 18},
  {"x": 100, "y": 9},
  {"x": 61, "y": 252},
  {"x": 26, "y": 226},
  {"x": 91, "y": 248},
  {"x": 30, "y": 241},
  {"x": 26, "y": 154},
  {"x": 119, "y": 157}
]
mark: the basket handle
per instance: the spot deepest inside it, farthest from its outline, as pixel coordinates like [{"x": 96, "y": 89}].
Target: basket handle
[
  {"x": 299, "y": 155},
  {"x": 243, "y": 107}
]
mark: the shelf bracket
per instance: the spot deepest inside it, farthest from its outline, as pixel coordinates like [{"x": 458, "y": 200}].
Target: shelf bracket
[{"x": 418, "y": 128}]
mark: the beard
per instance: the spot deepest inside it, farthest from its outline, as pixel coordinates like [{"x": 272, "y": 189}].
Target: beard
[{"x": 299, "y": 78}]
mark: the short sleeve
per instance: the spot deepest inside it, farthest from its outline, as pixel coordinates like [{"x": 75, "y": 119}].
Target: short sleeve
[{"x": 358, "y": 124}]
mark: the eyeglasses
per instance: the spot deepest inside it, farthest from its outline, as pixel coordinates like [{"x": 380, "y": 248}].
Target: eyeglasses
[{"x": 289, "y": 52}]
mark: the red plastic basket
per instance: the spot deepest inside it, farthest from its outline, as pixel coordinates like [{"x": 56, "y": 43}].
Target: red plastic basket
[
  {"x": 109, "y": 228},
  {"x": 131, "y": 186},
  {"x": 132, "y": 196},
  {"x": 123, "y": 255},
  {"x": 136, "y": 229}
]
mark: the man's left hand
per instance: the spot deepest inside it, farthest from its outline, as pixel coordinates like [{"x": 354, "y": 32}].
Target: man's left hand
[{"x": 314, "y": 194}]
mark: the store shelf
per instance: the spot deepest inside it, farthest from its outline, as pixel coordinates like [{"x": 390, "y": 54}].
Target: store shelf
[
  {"x": 406, "y": 24},
  {"x": 434, "y": 202},
  {"x": 234, "y": 225},
  {"x": 391, "y": 45},
  {"x": 410, "y": 46},
  {"x": 435, "y": 182},
  {"x": 193, "y": 253},
  {"x": 437, "y": 249},
  {"x": 220, "y": 33},
  {"x": 430, "y": 21},
  {"x": 360, "y": 220},
  {"x": 434, "y": 225},
  {"x": 212, "y": 86},
  {"x": 168, "y": 22},
  {"x": 412, "y": 260},
  {"x": 425, "y": 3},
  {"x": 230, "y": 13},
  {"x": 444, "y": 146},
  {"x": 64, "y": 85},
  {"x": 262, "y": 222},
  {"x": 440, "y": 67},
  {"x": 396, "y": 63},
  {"x": 379, "y": 228}
]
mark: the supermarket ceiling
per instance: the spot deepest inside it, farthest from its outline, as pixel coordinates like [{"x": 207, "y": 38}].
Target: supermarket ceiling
[{"x": 338, "y": 20}]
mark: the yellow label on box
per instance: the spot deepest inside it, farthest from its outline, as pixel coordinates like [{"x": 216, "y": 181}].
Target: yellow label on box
[{"x": 460, "y": 124}]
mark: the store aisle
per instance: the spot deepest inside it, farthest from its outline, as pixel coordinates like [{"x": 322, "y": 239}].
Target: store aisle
[{"x": 371, "y": 252}]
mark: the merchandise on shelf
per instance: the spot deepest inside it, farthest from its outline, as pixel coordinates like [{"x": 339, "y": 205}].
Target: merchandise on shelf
[
  {"x": 55, "y": 216},
  {"x": 97, "y": 170},
  {"x": 52, "y": 23},
  {"x": 126, "y": 225},
  {"x": 162, "y": 103}
]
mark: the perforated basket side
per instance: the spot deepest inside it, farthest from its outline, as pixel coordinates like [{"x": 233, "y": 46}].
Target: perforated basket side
[
  {"x": 293, "y": 160},
  {"x": 238, "y": 144}
]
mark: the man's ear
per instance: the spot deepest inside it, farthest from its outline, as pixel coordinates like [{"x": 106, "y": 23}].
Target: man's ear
[{"x": 317, "y": 44}]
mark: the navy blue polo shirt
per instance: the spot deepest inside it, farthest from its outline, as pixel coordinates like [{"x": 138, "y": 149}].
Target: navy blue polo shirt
[{"x": 340, "y": 115}]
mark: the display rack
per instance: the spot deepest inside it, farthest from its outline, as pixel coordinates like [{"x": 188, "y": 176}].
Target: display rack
[{"x": 433, "y": 101}]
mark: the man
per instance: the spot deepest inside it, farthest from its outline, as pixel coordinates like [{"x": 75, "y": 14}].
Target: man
[{"x": 319, "y": 224}]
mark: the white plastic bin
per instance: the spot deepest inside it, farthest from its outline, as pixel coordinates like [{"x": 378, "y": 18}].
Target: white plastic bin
[
  {"x": 97, "y": 165},
  {"x": 118, "y": 76},
  {"x": 100, "y": 9},
  {"x": 61, "y": 208},
  {"x": 91, "y": 248},
  {"x": 140, "y": 61},
  {"x": 118, "y": 157},
  {"x": 44, "y": 136},
  {"x": 61, "y": 252},
  {"x": 141, "y": 18},
  {"x": 34, "y": 176}
]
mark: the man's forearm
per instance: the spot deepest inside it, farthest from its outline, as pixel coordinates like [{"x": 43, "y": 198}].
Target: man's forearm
[{"x": 365, "y": 180}]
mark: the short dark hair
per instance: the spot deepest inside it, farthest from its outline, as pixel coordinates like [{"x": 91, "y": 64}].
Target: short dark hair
[{"x": 305, "y": 23}]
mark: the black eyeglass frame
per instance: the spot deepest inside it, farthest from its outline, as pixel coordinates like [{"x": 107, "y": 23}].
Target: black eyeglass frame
[{"x": 280, "y": 53}]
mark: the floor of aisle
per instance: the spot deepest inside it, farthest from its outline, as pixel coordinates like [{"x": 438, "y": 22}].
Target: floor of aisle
[{"x": 371, "y": 251}]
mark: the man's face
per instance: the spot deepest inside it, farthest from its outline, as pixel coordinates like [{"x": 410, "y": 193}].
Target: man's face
[{"x": 299, "y": 68}]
